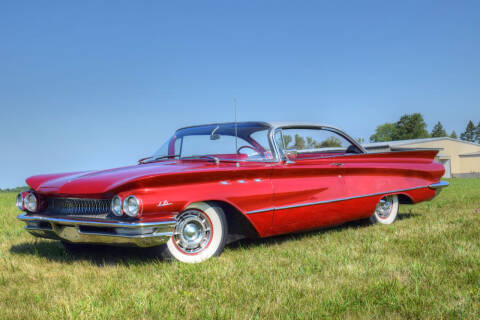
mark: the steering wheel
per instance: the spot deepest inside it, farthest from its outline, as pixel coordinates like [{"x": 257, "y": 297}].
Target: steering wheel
[{"x": 249, "y": 147}]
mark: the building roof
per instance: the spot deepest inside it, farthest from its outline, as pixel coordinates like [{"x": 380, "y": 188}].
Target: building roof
[
  {"x": 385, "y": 144},
  {"x": 474, "y": 154}
]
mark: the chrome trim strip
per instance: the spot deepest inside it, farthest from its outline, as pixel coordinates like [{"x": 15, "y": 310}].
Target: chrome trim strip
[
  {"x": 333, "y": 200},
  {"x": 133, "y": 236},
  {"x": 37, "y": 228},
  {"x": 73, "y": 198},
  {"x": 74, "y": 222},
  {"x": 274, "y": 146},
  {"x": 439, "y": 185}
]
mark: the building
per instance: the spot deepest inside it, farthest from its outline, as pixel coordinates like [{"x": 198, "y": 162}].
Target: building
[{"x": 460, "y": 158}]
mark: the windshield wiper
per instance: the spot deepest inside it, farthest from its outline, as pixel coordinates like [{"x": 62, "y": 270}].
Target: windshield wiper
[
  {"x": 165, "y": 157},
  {"x": 152, "y": 159},
  {"x": 215, "y": 159}
]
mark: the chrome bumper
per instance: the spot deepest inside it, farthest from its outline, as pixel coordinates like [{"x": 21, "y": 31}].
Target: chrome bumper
[
  {"x": 439, "y": 185},
  {"x": 141, "y": 234}
]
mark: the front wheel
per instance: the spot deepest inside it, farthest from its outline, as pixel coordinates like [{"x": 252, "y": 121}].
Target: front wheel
[
  {"x": 386, "y": 211},
  {"x": 200, "y": 233}
]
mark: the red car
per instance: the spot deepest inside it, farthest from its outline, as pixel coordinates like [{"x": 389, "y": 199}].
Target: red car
[{"x": 212, "y": 184}]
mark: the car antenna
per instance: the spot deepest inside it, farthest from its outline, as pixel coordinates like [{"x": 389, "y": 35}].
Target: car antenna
[{"x": 236, "y": 132}]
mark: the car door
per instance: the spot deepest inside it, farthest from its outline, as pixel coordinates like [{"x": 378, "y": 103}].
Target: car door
[{"x": 308, "y": 185}]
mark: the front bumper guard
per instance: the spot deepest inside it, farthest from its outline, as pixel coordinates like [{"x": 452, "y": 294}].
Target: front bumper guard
[{"x": 140, "y": 234}]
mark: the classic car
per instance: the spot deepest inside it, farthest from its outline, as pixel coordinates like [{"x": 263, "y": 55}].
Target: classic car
[{"x": 212, "y": 184}]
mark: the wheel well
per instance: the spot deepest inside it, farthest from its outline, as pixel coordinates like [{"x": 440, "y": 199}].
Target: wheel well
[
  {"x": 404, "y": 199},
  {"x": 238, "y": 225}
]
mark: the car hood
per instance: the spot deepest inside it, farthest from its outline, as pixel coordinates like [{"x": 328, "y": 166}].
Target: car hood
[{"x": 101, "y": 182}]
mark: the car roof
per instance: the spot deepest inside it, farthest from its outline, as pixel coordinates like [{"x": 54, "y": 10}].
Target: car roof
[
  {"x": 274, "y": 125},
  {"x": 286, "y": 124}
]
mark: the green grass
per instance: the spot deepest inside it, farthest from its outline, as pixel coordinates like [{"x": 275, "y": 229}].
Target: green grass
[{"x": 426, "y": 265}]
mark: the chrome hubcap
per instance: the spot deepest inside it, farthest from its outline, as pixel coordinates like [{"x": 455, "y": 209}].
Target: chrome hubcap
[
  {"x": 384, "y": 207},
  {"x": 193, "y": 231}
]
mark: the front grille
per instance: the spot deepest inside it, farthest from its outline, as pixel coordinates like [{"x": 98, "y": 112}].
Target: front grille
[{"x": 78, "y": 207}]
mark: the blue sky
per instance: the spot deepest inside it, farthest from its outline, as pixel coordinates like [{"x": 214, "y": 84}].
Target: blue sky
[{"x": 98, "y": 84}]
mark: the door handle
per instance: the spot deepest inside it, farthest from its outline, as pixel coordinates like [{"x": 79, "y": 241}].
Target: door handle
[{"x": 337, "y": 164}]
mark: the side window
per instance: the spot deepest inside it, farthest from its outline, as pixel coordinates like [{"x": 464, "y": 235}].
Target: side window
[{"x": 315, "y": 142}]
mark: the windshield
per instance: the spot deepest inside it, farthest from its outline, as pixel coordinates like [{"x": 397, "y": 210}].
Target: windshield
[{"x": 250, "y": 144}]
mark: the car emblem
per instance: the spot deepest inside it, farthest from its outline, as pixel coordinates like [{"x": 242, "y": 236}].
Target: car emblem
[{"x": 164, "y": 203}]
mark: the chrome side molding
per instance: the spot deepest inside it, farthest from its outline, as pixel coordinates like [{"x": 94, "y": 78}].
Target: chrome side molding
[
  {"x": 439, "y": 185},
  {"x": 434, "y": 186}
]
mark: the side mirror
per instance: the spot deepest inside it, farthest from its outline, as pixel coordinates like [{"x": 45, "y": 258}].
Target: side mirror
[
  {"x": 214, "y": 137},
  {"x": 291, "y": 156}
]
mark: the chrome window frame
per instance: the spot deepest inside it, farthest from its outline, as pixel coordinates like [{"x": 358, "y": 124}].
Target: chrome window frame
[{"x": 281, "y": 155}]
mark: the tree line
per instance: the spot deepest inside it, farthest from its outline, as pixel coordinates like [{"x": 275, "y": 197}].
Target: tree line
[
  {"x": 17, "y": 189},
  {"x": 301, "y": 143},
  {"x": 413, "y": 126}
]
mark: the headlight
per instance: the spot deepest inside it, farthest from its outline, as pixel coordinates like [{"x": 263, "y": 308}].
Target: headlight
[
  {"x": 116, "y": 206},
  {"x": 131, "y": 206},
  {"x": 30, "y": 202},
  {"x": 20, "y": 201}
]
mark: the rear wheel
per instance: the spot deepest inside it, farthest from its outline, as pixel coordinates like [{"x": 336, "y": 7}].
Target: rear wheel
[
  {"x": 386, "y": 211},
  {"x": 200, "y": 234}
]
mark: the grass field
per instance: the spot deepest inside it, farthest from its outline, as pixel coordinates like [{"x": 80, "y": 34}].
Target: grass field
[{"x": 426, "y": 265}]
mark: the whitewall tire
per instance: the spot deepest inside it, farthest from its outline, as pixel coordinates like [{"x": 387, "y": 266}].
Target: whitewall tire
[
  {"x": 386, "y": 211},
  {"x": 200, "y": 234}
]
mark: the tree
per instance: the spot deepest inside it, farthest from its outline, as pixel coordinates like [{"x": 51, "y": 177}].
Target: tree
[
  {"x": 384, "y": 132},
  {"x": 286, "y": 140},
  {"x": 454, "y": 135},
  {"x": 299, "y": 142},
  {"x": 469, "y": 134},
  {"x": 477, "y": 133},
  {"x": 410, "y": 126},
  {"x": 331, "y": 142},
  {"x": 438, "y": 131},
  {"x": 311, "y": 143}
]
